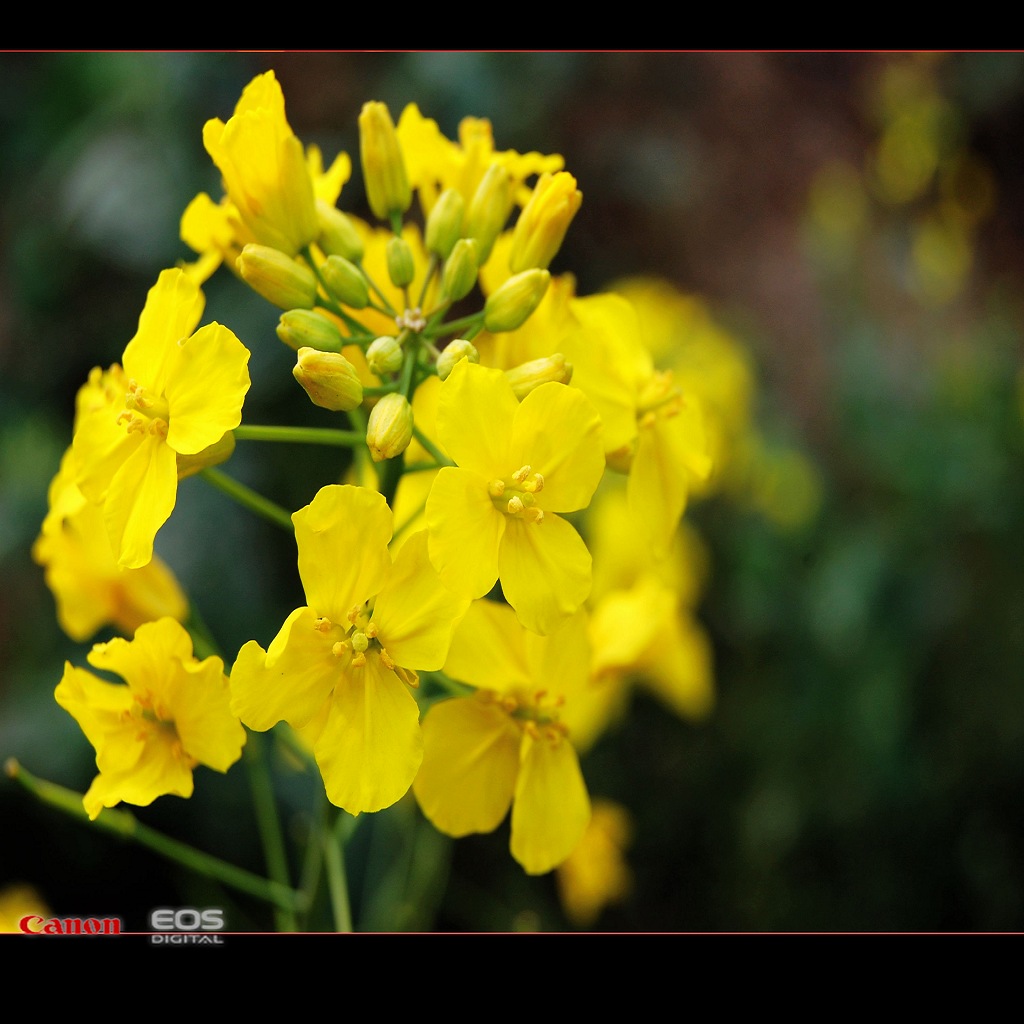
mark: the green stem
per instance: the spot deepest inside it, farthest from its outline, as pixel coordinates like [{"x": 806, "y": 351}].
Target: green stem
[
  {"x": 269, "y": 826},
  {"x": 203, "y": 644},
  {"x": 454, "y": 326},
  {"x": 300, "y": 435},
  {"x": 431, "y": 448},
  {"x": 126, "y": 825},
  {"x": 248, "y": 498},
  {"x": 334, "y": 858}
]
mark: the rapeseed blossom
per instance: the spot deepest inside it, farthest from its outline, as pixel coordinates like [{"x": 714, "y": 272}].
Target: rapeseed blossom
[
  {"x": 150, "y": 734},
  {"x": 272, "y": 187},
  {"x": 177, "y": 396},
  {"x": 596, "y": 873},
  {"x": 494, "y": 514},
  {"x": 341, "y": 666},
  {"x": 507, "y": 743},
  {"x": 90, "y": 588}
]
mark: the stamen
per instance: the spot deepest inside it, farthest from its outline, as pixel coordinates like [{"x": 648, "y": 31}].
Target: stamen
[
  {"x": 386, "y": 658},
  {"x": 515, "y": 505},
  {"x": 340, "y": 648},
  {"x": 521, "y": 474},
  {"x": 358, "y": 659},
  {"x": 323, "y": 624},
  {"x": 496, "y": 488}
]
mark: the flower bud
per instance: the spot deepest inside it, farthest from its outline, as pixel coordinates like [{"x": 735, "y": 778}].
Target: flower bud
[
  {"x": 542, "y": 225},
  {"x": 527, "y": 376},
  {"x": 401, "y": 268},
  {"x": 389, "y": 428},
  {"x": 512, "y": 304},
  {"x": 384, "y": 355},
  {"x": 338, "y": 235},
  {"x": 444, "y": 225},
  {"x": 489, "y": 209},
  {"x": 212, "y": 455},
  {"x": 345, "y": 281},
  {"x": 387, "y": 184},
  {"x": 277, "y": 277},
  {"x": 460, "y": 271},
  {"x": 305, "y": 328},
  {"x": 329, "y": 379},
  {"x": 455, "y": 351}
]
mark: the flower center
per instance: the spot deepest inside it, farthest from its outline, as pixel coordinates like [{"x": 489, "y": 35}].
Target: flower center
[
  {"x": 659, "y": 396},
  {"x": 516, "y": 496},
  {"x": 537, "y": 713},
  {"x": 153, "y": 719},
  {"x": 360, "y": 639},
  {"x": 144, "y": 411}
]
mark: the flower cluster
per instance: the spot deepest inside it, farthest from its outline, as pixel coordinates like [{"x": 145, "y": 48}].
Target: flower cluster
[{"x": 498, "y": 423}]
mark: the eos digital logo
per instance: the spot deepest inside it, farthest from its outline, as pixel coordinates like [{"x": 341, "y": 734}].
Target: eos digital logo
[{"x": 186, "y": 926}]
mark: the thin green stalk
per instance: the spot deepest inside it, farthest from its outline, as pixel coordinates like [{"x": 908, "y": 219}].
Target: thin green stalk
[
  {"x": 248, "y": 498},
  {"x": 334, "y": 858},
  {"x": 126, "y": 825},
  {"x": 203, "y": 644},
  {"x": 455, "y": 326},
  {"x": 269, "y": 826},
  {"x": 300, "y": 435},
  {"x": 431, "y": 448}
]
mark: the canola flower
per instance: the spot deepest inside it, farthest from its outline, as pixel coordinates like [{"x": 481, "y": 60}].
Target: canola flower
[
  {"x": 175, "y": 395},
  {"x": 150, "y": 734},
  {"x": 483, "y": 405},
  {"x": 342, "y": 665},
  {"x": 507, "y": 743},
  {"x": 90, "y": 588}
]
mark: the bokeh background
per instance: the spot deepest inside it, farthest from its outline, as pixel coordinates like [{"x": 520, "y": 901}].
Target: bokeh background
[{"x": 853, "y": 226}]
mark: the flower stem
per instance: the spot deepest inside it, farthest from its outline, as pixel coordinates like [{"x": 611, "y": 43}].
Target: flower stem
[
  {"x": 126, "y": 825},
  {"x": 269, "y": 826},
  {"x": 300, "y": 435},
  {"x": 249, "y": 498},
  {"x": 334, "y": 858},
  {"x": 441, "y": 459}
]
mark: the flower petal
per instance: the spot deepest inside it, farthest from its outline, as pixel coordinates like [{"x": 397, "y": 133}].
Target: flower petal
[
  {"x": 475, "y": 413},
  {"x": 207, "y": 728},
  {"x": 470, "y": 764},
  {"x": 172, "y": 311},
  {"x": 291, "y": 681},
  {"x": 414, "y": 612},
  {"x": 545, "y": 571},
  {"x": 557, "y": 432},
  {"x": 205, "y": 389},
  {"x": 342, "y": 536},
  {"x": 487, "y": 649},
  {"x": 464, "y": 532},
  {"x": 551, "y": 806},
  {"x": 371, "y": 746}
]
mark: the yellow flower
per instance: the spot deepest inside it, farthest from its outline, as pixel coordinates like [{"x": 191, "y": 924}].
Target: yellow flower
[
  {"x": 643, "y": 629},
  {"x": 151, "y": 734},
  {"x": 264, "y": 168},
  {"x": 177, "y": 395},
  {"x": 506, "y": 744},
  {"x": 90, "y": 588},
  {"x": 653, "y": 429},
  {"x": 596, "y": 873},
  {"x": 435, "y": 163},
  {"x": 342, "y": 664},
  {"x": 493, "y": 515}
]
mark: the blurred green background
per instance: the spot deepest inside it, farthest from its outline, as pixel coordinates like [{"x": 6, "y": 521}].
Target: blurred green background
[{"x": 855, "y": 221}]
